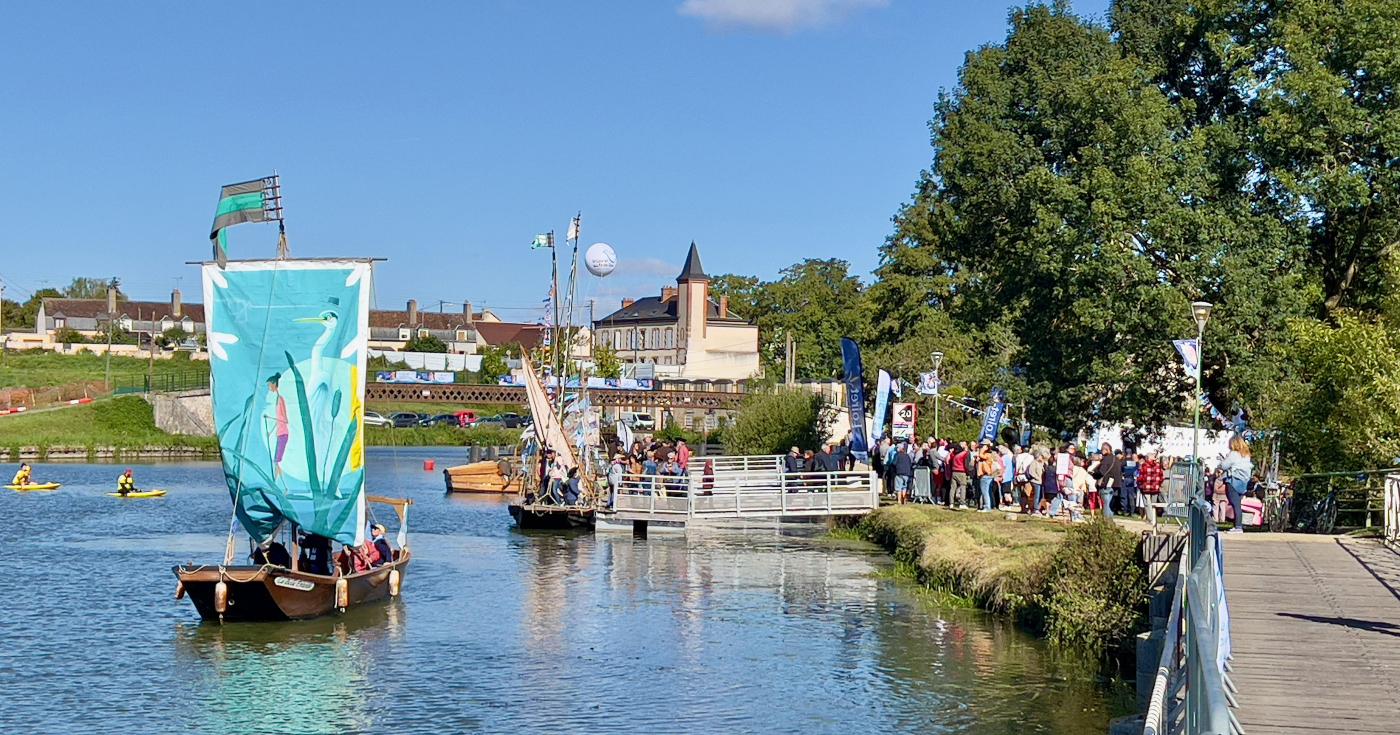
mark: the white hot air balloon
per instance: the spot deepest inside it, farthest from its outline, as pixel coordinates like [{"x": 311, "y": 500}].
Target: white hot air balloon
[{"x": 600, "y": 259}]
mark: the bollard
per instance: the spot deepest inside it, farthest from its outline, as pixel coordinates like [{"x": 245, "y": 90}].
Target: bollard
[{"x": 473, "y": 454}]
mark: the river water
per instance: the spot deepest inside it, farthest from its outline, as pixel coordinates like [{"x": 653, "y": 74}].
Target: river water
[{"x": 735, "y": 630}]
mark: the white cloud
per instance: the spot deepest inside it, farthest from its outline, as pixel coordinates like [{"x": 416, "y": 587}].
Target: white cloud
[{"x": 784, "y": 16}]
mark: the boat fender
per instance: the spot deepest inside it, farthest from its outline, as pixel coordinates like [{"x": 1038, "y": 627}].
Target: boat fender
[
  {"x": 179, "y": 590},
  {"x": 342, "y": 594},
  {"x": 394, "y": 582},
  {"x": 221, "y": 597}
]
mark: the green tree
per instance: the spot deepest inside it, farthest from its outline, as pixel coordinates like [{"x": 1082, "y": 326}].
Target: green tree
[
  {"x": 772, "y": 422},
  {"x": 1068, "y": 220},
  {"x": 742, "y": 292},
  {"x": 92, "y": 288},
  {"x": 606, "y": 363},
  {"x": 425, "y": 343},
  {"x": 493, "y": 364},
  {"x": 817, "y": 302}
]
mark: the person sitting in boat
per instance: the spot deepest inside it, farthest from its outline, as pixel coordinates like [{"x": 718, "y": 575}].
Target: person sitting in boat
[
  {"x": 22, "y": 477},
  {"x": 271, "y": 552},
  {"x": 570, "y": 487},
  {"x": 381, "y": 544},
  {"x": 315, "y": 554},
  {"x": 126, "y": 482}
]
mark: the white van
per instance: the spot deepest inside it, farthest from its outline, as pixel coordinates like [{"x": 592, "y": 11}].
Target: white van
[{"x": 638, "y": 420}]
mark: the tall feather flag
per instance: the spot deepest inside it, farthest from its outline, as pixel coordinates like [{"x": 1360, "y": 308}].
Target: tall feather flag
[
  {"x": 573, "y": 227},
  {"x": 246, "y": 201}
]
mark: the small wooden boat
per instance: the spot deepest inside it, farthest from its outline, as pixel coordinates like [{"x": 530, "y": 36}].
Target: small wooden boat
[
  {"x": 498, "y": 476},
  {"x": 35, "y": 486},
  {"x": 291, "y": 441},
  {"x": 139, "y": 494},
  {"x": 234, "y": 594}
]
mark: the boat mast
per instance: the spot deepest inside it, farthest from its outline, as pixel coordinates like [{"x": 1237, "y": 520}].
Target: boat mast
[{"x": 569, "y": 309}]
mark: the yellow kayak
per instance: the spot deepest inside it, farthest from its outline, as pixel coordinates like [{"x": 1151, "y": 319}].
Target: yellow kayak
[
  {"x": 139, "y": 494},
  {"x": 35, "y": 486}
]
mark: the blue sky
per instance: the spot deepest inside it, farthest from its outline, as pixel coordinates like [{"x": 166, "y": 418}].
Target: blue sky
[{"x": 444, "y": 135}]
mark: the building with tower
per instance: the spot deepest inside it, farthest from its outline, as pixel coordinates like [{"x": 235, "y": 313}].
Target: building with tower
[{"x": 682, "y": 334}]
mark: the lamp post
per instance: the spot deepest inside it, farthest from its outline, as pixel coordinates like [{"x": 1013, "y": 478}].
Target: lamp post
[
  {"x": 937, "y": 391},
  {"x": 1200, "y": 311}
]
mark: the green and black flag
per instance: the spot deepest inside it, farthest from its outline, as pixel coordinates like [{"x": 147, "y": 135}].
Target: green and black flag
[{"x": 248, "y": 201}]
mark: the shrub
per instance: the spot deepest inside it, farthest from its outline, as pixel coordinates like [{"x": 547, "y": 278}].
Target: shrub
[
  {"x": 771, "y": 422},
  {"x": 1097, "y": 589}
]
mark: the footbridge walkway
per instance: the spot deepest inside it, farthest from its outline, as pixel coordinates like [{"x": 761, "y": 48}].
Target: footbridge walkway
[
  {"x": 738, "y": 487},
  {"x": 1282, "y": 633}
]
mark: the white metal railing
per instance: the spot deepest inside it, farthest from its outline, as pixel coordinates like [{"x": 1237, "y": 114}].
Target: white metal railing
[
  {"x": 1193, "y": 693},
  {"x": 738, "y": 494},
  {"x": 746, "y": 464},
  {"x": 1392, "y": 510}
]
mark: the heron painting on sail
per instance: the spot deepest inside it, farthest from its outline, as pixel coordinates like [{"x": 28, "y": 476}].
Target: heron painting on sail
[{"x": 288, "y": 346}]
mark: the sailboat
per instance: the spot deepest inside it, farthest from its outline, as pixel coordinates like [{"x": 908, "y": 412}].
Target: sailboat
[{"x": 287, "y": 344}]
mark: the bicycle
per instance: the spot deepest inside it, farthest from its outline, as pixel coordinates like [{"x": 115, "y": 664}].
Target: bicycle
[{"x": 1283, "y": 511}]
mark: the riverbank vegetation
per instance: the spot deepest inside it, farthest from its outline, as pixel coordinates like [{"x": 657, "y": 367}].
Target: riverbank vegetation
[
  {"x": 1080, "y": 586},
  {"x": 119, "y": 423},
  {"x": 44, "y": 369},
  {"x": 440, "y": 436}
]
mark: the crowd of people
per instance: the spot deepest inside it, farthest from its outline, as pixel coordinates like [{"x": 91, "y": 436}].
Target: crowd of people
[{"x": 1064, "y": 481}]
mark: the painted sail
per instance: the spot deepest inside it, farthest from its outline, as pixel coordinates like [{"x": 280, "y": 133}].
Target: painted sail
[{"x": 287, "y": 348}]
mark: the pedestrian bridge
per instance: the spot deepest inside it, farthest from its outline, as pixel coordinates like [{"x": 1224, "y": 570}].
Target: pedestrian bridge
[{"x": 737, "y": 487}]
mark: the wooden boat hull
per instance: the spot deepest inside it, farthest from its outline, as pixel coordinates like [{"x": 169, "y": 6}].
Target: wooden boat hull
[
  {"x": 550, "y": 517},
  {"x": 34, "y": 487},
  {"x": 478, "y": 477},
  {"x": 256, "y": 594}
]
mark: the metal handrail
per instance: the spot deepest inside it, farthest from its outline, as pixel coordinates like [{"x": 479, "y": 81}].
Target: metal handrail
[
  {"x": 1392, "y": 510},
  {"x": 1192, "y": 692},
  {"x": 733, "y": 493}
]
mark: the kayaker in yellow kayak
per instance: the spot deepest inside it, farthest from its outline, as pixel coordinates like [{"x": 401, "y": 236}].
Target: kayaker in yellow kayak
[
  {"x": 126, "y": 483},
  {"x": 22, "y": 477}
]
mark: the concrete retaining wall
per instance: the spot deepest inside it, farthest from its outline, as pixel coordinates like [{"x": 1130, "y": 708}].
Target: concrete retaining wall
[{"x": 189, "y": 413}]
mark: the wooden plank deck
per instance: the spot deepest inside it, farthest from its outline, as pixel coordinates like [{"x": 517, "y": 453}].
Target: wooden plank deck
[{"x": 1315, "y": 625}]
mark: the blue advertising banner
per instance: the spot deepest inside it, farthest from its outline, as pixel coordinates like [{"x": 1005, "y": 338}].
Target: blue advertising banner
[
  {"x": 855, "y": 397},
  {"x": 991, "y": 420}
]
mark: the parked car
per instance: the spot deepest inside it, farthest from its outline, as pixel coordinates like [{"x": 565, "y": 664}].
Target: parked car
[
  {"x": 442, "y": 419},
  {"x": 405, "y": 420},
  {"x": 512, "y": 420},
  {"x": 639, "y": 420},
  {"x": 374, "y": 418},
  {"x": 491, "y": 422}
]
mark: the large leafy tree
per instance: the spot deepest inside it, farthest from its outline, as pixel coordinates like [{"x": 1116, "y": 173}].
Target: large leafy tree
[
  {"x": 1070, "y": 216},
  {"x": 816, "y": 302}
]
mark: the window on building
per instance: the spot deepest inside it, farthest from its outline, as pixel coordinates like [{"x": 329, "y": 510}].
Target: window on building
[
  {"x": 403, "y": 334},
  {"x": 668, "y": 359},
  {"x": 670, "y": 337},
  {"x": 461, "y": 335},
  {"x": 187, "y": 324},
  {"x": 422, "y": 333},
  {"x": 59, "y": 322},
  {"x": 167, "y": 324},
  {"x": 642, "y": 340},
  {"x": 655, "y": 337}
]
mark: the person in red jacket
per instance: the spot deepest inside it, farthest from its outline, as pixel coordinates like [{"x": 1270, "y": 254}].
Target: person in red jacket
[{"x": 1149, "y": 482}]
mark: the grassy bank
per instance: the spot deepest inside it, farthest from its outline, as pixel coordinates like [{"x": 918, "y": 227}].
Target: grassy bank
[
  {"x": 1080, "y": 586},
  {"x": 119, "y": 423},
  {"x": 440, "y": 436},
  {"x": 43, "y": 369}
]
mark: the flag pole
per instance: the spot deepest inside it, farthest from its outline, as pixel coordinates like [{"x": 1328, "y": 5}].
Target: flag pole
[
  {"x": 283, "y": 250},
  {"x": 574, "y": 228}
]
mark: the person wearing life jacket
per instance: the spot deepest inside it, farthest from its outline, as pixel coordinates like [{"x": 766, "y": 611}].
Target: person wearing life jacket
[
  {"x": 126, "y": 482},
  {"x": 22, "y": 477}
]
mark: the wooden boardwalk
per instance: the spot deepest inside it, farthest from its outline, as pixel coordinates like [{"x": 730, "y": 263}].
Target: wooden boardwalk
[{"x": 1315, "y": 625}]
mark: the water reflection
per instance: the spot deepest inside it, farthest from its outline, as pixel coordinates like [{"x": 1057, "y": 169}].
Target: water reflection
[
  {"x": 731, "y": 629},
  {"x": 312, "y": 676}
]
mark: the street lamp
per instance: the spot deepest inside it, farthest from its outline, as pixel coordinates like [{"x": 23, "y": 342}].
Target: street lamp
[
  {"x": 1200, "y": 311},
  {"x": 937, "y": 391}
]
